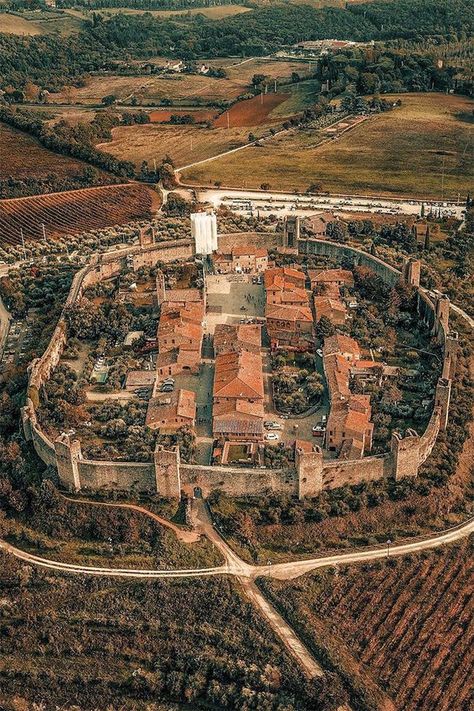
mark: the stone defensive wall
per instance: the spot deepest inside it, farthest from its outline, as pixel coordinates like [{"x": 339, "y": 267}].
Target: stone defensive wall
[{"x": 166, "y": 475}]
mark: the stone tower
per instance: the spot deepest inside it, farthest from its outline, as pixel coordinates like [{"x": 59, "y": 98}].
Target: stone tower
[
  {"x": 405, "y": 454},
  {"x": 309, "y": 467},
  {"x": 68, "y": 454},
  {"x": 291, "y": 231},
  {"x": 451, "y": 346},
  {"x": 160, "y": 287},
  {"x": 442, "y": 398},
  {"x": 168, "y": 481},
  {"x": 411, "y": 272},
  {"x": 441, "y": 314}
]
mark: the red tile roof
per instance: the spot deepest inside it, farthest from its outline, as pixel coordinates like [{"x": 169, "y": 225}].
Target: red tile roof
[{"x": 238, "y": 375}]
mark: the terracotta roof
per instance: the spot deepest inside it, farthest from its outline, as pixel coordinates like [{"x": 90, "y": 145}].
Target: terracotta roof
[
  {"x": 339, "y": 343},
  {"x": 169, "y": 406},
  {"x": 328, "y": 276},
  {"x": 182, "y": 295},
  {"x": 238, "y": 426},
  {"x": 240, "y": 407},
  {"x": 286, "y": 312},
  {"x": 325, "y": 306},
  {"x": 238, "y": 375},
  {"x": 236, "y": 336},
  {"x": 281, "y": 276}
]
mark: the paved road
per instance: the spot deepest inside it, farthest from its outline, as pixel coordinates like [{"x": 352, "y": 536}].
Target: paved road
[{"x": 287, "y": 202}]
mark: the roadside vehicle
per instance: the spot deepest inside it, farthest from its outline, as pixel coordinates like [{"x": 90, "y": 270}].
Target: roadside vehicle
[
  {"x": 318, "y": 430},
  {"x": 272, "y": 437},
  {"x": 269, "y": 425}
]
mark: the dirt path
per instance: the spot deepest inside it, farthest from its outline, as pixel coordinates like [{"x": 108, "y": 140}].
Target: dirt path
[{"x": 181, "y": 534}]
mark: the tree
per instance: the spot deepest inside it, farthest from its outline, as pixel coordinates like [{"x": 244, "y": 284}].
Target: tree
[
  {"x": 109, "y": 100},
  {"x": 314, "y": 187},
  {"x": 336, "y": 230},
  {"x": 325, "y": 328}
]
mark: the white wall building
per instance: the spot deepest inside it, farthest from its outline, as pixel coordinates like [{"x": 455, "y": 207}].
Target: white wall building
[{"x": 204, "y": 232}]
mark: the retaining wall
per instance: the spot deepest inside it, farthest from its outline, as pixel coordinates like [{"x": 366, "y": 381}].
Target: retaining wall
[{"x": 237, "y": 481}]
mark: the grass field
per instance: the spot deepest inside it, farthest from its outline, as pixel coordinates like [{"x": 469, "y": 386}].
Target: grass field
[
  {"x": 149, "y": 90},
  {"x": 399, "y": 152},
  {"x": 217, "y": 12},
  {"x": 301, "y": 96},
  {"x": 21, "y": 156},
  {"x": 185, "y": 144},
  {"x": 15, "y": 25}
]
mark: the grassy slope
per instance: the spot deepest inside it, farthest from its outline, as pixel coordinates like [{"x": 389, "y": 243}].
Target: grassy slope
[
  {"x": 400, "y": 152},
  {"x": 22, "y": 156},
  {"x": 16, "y": 25}
]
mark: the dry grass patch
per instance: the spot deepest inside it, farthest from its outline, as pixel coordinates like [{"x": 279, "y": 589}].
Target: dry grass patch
[
  {"x": 22, "y": 156},
  {"x": 15, "y": 25},
  {"x": 185, "y": 144},
  {"x": 149, "y": 90},
  {"x": 401, "y": 152}
]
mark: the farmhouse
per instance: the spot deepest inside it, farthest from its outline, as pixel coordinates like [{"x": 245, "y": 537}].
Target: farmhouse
[
  {"x": 140, "y": 379},
  {"x": 338, "y": 277},
  {"x": 170, "y": 411}
]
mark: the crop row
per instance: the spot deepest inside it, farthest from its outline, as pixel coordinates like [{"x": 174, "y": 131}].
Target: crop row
[{"x": 73, "y": 212}]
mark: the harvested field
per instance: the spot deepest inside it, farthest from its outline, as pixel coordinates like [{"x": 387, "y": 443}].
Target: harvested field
[
  {"x": 22, "y": 156},
  {"x": 407, "y": 623},
  {"x": 401, "y": 152},
  {"x": 251, "y": 112},
  {"x": 75, "y": 211},
  {"x": 184, "y": 144},
  {"x": 244, "y": 70},
  {"x": 217, "y": 12},
  {"x": 163, "y": 116},
  {"x": 16, "y": 25},
  {"x": 150, "y": 90}
]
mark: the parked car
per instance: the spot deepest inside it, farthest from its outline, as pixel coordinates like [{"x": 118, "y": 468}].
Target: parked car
[
  {"x": 319, "y": 352},
  {"x": 269, "y": 425},
  {"x": 318, "y": 430},
  {"x": 272, "y": 437},
  {"x": 169, "y": 381},
  {"x": 324, "y": 419},
  {"x": 167, "y": 388}
]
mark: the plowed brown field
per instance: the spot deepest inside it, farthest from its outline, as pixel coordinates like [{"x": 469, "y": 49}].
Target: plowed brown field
[
  {"x": 407, "y": 622},
  {"x": 74, "y": 211},
  {"x": 22, "y": 156},
  {"x": 251, "y": 112}
]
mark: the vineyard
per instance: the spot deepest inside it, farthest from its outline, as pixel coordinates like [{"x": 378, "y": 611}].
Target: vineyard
[
  {"x": 408, "y": 623},
  {"x": 74, "y": 211}
]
